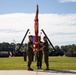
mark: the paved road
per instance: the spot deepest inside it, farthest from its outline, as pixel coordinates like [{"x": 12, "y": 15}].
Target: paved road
[{"x": 37, "y": 72}]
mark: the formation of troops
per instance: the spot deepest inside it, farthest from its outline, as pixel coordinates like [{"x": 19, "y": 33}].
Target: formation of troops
[{"x": 42, "y": 48}]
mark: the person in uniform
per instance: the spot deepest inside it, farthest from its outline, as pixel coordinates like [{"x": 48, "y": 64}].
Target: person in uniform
[
  {"x": 46, "y": 52},
  {"x": 30, "y": 52},
  {"x": 39, "y": 54}
]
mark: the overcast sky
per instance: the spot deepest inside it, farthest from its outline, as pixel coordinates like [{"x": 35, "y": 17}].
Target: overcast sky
[{"x": 56, "y": 17}]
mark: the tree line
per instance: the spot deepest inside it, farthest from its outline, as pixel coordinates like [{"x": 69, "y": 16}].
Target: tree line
[{"x": 68, "y": 50}]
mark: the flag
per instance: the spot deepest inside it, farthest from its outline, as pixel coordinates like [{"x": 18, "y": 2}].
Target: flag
[{"x": 36, "y": 28}]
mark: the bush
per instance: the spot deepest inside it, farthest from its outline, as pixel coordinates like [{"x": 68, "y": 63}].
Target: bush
[
  {"x": 74, "y": 54},
  {"x": 56, "y": 53},
  {"x": 70, "y": 54},
  {"x": 4, "y": 54}
]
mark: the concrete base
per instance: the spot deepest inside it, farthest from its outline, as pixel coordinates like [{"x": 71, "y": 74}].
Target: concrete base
[{"x": 38, "y": 72}]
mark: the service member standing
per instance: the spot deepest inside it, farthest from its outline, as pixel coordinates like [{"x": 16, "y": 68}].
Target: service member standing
[
  {"x": 39, "y": 54},
  {"x": 46, "y": 52},
  {"x": 30, "y": 52}
]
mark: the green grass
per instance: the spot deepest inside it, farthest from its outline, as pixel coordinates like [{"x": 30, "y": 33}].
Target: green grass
[
  {"x": 57, "y": 63},
  {"x": 68, "y": 63}
]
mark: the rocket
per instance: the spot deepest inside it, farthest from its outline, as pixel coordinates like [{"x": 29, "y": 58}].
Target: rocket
[{"x": 36, "y": 28}]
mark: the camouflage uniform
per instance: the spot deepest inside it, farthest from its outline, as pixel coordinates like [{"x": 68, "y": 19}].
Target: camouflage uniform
[
  {"x": 30, "y": 53},
  {"x": 39, "y": 57},
  {"x": 46, "y": 52}
]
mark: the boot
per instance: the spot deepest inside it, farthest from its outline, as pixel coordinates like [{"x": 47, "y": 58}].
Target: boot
[{"x": 30, "y": 69}]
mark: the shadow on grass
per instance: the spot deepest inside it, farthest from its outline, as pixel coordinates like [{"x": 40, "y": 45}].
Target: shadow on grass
[{"x": 57, "y": 71}]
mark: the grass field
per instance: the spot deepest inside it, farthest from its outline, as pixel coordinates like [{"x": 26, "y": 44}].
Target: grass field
[{"x": 57, "y": 63}]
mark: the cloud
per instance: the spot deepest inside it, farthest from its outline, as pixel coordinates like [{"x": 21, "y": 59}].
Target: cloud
[
  {"x": 63, "y": 1},
  {"x": 60, "y": 28},
  {"x": 10, "y": 31},
  {"x": 60, "y": 33}
]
